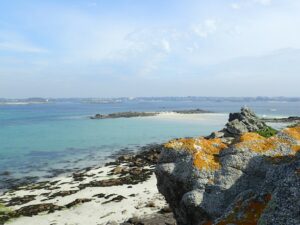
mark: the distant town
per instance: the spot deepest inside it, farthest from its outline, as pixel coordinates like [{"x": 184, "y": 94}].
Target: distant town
[{"x": 144, "y": 99}]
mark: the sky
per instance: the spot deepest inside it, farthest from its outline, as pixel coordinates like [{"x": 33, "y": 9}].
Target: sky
[{"x": 131, "y": 48}]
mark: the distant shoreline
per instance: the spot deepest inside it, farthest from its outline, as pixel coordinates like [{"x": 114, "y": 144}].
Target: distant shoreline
[
  {"x": 107, "y": 100},
  {"x": 290, "y": 119}
]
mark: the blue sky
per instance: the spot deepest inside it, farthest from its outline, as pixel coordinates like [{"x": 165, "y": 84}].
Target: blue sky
[{"x": 97, "y": 48}]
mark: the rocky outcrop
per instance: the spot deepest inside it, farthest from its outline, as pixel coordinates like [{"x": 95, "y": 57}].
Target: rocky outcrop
[
  {"x": 144, "y": 114},
  {"x": 242, "y": 122},
  {"x": 239, "y": 178},
  {"x": 123, "y": 115}
]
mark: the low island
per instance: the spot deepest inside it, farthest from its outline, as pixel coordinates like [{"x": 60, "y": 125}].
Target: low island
[{"x": 144, "y": 114}]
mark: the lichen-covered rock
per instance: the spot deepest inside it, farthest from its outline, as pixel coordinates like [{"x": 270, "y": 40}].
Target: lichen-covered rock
[{"x": 252, "y": 180}]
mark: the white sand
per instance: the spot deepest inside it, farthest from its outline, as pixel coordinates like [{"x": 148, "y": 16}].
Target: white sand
[
  {"x": 93, "y": 212},
  {"x": 192, "y": 117}
]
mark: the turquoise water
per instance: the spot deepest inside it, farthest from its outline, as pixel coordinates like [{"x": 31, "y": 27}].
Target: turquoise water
[{"x": 37, "y": 139}]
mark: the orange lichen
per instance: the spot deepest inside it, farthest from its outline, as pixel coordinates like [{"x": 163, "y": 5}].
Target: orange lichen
[
  {"x": 259, "y": 144},
  {"x": 250, "y": 136},
  {"x": 296, "y": 148},
  {"x": 293, "y": 132},
  {"x": 205, "y": 151},
  {"x": 206, "y": 156},
  {"x": 247, "y": 213},
  {"x": 187, "y": 144}
]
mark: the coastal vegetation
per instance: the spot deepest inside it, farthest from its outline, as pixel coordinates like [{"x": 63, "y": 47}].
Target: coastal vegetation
[
  {"x": 267, "y": 132},
  {"x": 5, "y": 213}
]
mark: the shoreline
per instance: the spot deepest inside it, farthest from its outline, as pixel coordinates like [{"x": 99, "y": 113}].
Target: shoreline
[
  {"x": 13, "y": 182},
  {"x": 119, "y": 191}
]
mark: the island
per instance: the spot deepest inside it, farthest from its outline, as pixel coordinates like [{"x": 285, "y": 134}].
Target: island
[{"x": 145, "y": 114}]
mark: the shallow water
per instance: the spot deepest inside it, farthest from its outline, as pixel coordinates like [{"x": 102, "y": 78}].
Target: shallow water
[{"x": 37, "y": 139}]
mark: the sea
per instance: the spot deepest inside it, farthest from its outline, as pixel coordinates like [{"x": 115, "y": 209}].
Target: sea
[{"x": 39, "y": 141}]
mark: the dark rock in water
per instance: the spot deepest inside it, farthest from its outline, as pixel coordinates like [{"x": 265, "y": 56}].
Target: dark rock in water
[
  {"x": 123, "y": 115},
  {"x": 78, "y": 201},
  {"x": 13, "y": 183},
  {"x": 57, "y": 172},
  {"x": 144, "y": 114},
  {"x": 253, "y": 180},
  {"x": 5, "y": 173}
]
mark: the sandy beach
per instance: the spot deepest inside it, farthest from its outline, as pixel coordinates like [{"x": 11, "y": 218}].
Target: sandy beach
[{"x": 113, "y": 193}]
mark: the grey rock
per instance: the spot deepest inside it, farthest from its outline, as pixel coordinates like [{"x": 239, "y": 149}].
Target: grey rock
[
  {"x": 242, "y": 122},
  {"x": 250, "y": 187}
]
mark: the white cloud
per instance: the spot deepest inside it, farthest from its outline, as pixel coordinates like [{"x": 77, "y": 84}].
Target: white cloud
[
  {"x": 263, "y": 2},
  {"x": 206, "y": 28},
  {"x": 166, "y": 45},
  {"x": 235, "y": 5}
]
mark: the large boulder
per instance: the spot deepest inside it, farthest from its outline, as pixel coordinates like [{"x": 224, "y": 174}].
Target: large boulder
[{"x": 252, "y": 180}]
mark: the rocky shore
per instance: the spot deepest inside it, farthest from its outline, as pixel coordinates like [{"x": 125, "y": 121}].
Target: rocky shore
[
  {"x": 144, "y": 114},
  {"x": 121, "y": 192},
  {"x": 245, "y": 174}
]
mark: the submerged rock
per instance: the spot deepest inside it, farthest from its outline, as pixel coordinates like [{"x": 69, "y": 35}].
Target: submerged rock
[{"x": 250, "y": 180}]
